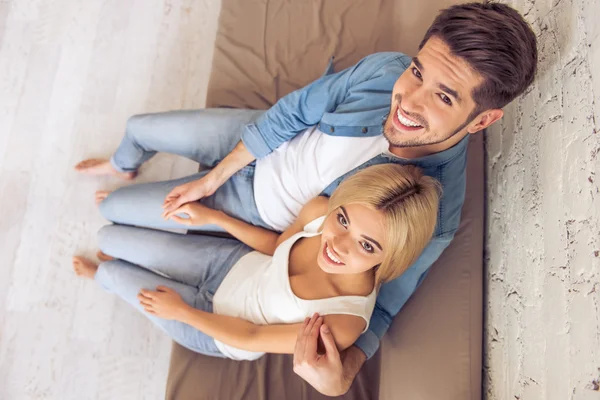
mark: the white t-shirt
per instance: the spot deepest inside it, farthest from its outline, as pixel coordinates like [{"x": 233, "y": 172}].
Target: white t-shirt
[
  {"x": 257, "y": 289},
  {"x": 299, "y": 170}
]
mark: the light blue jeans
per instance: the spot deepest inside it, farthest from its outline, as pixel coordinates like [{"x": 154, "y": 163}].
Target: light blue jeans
[
  {"x": 193, "y": 265},
  {"x": 205, "y": 136}
]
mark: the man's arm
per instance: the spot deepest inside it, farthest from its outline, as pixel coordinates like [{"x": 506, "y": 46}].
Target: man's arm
[
  {"x": 291, "y": 115},
  {"x": 305, "y": 107}
]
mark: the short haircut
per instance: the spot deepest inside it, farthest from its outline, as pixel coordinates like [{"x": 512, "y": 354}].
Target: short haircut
[{"x": 496, "y": 42}]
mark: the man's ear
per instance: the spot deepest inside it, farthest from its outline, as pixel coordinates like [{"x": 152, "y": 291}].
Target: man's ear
[{"x": 484, "y": 120}]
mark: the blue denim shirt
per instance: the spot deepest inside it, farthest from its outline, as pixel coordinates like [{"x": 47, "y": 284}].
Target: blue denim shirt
[{"x": 354, "y": 102}]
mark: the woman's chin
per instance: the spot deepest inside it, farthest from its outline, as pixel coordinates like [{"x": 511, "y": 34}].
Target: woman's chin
[{"x": 325, "y": 267}]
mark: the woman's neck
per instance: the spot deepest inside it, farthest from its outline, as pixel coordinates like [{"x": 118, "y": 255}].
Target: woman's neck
[{"x": 359, "y": 284}]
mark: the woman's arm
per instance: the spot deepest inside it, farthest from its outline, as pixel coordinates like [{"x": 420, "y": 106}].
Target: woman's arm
[
  {"x": 279, "y": 338},
  {"x": 258, "y": 238},
  {"x": 237, "y": 332}
]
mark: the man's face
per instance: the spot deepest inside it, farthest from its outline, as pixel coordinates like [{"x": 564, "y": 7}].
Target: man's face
[{"x": 431, "y": 101}]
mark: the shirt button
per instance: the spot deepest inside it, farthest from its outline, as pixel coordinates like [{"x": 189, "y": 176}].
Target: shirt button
[
  {"x": 332, "y": 129},
  {"x": 365, "y": 129}
]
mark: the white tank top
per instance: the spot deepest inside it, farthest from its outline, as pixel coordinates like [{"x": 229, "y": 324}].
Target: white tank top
[{"x": 258, "y": 290}]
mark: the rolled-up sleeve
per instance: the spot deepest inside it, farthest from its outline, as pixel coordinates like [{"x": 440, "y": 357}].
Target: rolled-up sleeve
[{"x": 305, "y": 107}]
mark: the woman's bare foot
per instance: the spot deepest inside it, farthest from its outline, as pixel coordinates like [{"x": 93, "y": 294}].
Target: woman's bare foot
[
  {"x": 84, "y": 267},
  {"x": 104, "y": 257},
  {"x": 98, "y": 167},
  {"x": 101, "y": 195}
]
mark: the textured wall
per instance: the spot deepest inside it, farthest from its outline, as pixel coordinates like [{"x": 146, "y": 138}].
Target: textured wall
[{"x": 543, "y": 243}]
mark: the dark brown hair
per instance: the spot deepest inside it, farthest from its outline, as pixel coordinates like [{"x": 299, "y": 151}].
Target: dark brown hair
[{"x": 496, "y": 42}]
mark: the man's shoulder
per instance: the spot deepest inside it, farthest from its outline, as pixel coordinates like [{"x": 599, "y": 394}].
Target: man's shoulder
[
  {"x": 389, "y": 57},
  {"x": 385, "y": 62}
]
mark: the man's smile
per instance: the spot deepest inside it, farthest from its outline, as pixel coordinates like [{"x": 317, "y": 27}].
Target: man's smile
[{"x": 403, "y": 123}]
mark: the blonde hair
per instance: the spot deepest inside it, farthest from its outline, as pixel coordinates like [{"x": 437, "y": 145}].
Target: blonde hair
[{"x": 409, "y": 202}]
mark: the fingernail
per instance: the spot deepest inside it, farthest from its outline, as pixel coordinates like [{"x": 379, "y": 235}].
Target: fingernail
[{"x": 325, "y": 328}]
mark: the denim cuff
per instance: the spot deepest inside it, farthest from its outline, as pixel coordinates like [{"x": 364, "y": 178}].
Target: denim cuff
[
  {"x": 368, "y": 342},
  {"x": 115, "y": 166},
  {"x": 254, "y": 142}
]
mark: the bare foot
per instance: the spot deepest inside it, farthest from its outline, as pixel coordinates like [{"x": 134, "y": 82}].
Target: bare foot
[
  {"x": 84, "y": 267},
  {"x": 104, "y": 257},
  {"x": 98, "y": 167},
  {"x": 101, "y": 195}
]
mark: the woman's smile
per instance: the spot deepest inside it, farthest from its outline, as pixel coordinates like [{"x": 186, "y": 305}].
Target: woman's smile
[{"x": 331, "y": 256}]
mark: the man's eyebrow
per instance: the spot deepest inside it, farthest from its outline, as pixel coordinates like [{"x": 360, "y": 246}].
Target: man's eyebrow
[
  {"x": 443, "y": 87},
  {"x": 373, "y": 240},
  {"x": 451, "y": 92},
  {"x": 416, "y": 61}
]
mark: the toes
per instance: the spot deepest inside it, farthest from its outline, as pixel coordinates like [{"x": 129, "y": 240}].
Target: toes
[
  {"x": 104, "y": 257},
  {"x": 87, "y": 163},
  {"x": 101, "y": 195}
]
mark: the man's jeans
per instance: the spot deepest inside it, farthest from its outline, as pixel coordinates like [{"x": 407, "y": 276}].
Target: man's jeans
[{"x": 205, "y": 136}]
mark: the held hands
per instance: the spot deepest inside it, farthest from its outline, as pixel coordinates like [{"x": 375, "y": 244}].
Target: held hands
[
  {"x": 324, "y": 372},
  {"x": 164, "y": 303},
  {"x": 188, "y": 192}
]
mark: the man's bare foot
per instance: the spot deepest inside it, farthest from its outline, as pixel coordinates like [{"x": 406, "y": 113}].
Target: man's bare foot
[
  {"x": 98, "y": 167},
  {"x": 104, "y": 257},
  {"x": 101, "y": 195},
  {"x": 84, "y": 267}
]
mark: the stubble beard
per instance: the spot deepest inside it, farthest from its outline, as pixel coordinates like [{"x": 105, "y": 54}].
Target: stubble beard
[{"x": 424, "y": 139}]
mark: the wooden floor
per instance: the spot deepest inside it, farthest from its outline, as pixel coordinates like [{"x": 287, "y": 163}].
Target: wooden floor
[{"x": 71, "y": 72}]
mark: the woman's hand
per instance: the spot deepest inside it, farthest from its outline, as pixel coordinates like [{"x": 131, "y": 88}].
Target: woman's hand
[
  {"x": 197, "y": 214},
  {"x": 188, "y": 192},
  {"x": 164, "y": 303},
  {"x": 324, "y": 372}
]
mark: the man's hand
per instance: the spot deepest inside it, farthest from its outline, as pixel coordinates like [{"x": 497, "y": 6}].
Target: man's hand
[
  {"x": 188, "y": 192},
  {"x": 209, "y": 183},
  {"x": 329, "y": 373}
]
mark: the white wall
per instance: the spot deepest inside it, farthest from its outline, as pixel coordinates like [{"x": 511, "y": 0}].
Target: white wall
[{"x": 543, "y": 241}]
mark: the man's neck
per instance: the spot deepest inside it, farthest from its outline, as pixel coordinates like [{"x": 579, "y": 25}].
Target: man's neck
[{"x": 426, "y": 150}]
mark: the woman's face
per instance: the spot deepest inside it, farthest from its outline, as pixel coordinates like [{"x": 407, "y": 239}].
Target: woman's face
[{"x": 351, "y": 240}]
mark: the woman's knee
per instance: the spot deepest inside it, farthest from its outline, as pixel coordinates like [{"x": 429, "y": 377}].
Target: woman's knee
[
  {"x": 124, "y": 204},
  {"x": 109, "y": 206},
  {"x": 107, "y": 235}
]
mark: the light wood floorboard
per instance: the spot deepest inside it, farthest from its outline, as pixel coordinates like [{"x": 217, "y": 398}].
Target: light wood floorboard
[{"x": 71, "y": 73}]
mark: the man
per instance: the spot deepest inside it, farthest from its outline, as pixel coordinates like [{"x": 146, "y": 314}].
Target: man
[{"x": 474, "y": 60}]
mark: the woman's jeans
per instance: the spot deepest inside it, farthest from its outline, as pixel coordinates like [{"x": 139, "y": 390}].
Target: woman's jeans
[
  {"x": 205, "y": 136},
  {"x": 193, "y": 265}
]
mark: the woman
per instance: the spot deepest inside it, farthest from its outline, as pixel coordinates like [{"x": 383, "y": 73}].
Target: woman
[{"x": 218, "y": 297}]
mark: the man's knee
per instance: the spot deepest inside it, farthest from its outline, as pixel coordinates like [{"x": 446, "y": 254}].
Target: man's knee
[{"x": 137, "y": 124}]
